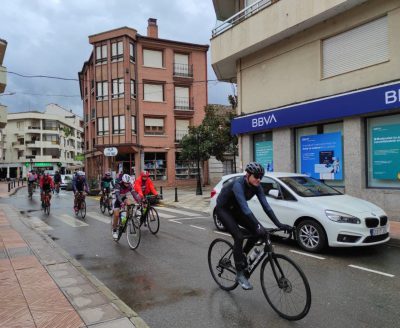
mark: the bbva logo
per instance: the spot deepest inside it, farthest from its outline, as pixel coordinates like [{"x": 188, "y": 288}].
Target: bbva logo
[{"x": 263, "y": 121}]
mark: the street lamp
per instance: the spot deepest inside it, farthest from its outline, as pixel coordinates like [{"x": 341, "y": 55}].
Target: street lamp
[{"x": 198, "y": 188}]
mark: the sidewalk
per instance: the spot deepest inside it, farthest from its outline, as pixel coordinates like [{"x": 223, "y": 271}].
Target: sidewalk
[{"x": 43, "y": 286}]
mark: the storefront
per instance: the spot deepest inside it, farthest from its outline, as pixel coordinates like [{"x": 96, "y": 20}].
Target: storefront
[{"x": 350, "y": 140}]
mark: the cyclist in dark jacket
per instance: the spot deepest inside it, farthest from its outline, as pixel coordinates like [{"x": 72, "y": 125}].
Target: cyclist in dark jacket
[{"x": 233, "y": 210}]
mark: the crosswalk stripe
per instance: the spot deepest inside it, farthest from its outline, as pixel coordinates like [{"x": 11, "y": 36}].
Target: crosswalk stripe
[
  {"x": 39, "y": 224},
  {"x": 173, "y": 210},
  {"x": 71, "y": 221},
  {"x": 99, "y": 217}
]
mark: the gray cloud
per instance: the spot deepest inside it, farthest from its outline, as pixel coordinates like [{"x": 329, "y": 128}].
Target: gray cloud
[{"x": 50, "y": 37}]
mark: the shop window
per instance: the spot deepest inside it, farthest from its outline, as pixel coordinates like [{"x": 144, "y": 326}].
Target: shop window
[
  {"x": 383, "y": 151},
  {"x": 319, "y": 153},
  {"x": 156, "y": 165},
  {"x": 263, "y": 150},
  {"x": 185, "y": 169}
]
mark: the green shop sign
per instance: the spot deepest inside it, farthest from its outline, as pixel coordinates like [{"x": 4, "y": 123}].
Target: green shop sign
[
  {"x": 39, "y": 164},
  {"x": 80, "y": 157}
]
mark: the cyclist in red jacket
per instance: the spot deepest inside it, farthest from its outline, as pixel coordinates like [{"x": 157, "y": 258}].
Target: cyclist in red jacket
[
  {"x": 46, "y": 184},
  {"x": 144, "y": 186}
]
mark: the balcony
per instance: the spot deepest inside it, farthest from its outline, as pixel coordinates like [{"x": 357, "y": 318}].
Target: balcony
[
  {"x": 183, "y": 70},
  {"x": 184, "y": 106},
  {"x": 3, "y": 116},
  {"x": 264, "y": 23}
]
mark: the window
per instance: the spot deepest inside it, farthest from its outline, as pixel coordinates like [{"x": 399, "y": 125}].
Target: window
[
  {"x": 153, "y": 92},
  {"x": 102, "y": 126},
  {"x": 156, "y": 165},
  {"x": 154, "y": 126},
  {"x": 181, "y": 65},
  {"x": 133, "y": 89},
  {"x": 357, "y": 48},
  {"x": 182, "y": 129},
  {"x": 102, "y": 90},
  {"x": 101, "y": 53},
  {"x": 184, "y": 169},
  {"x": 53, "y": 138},
  {"x": 132, "y": 52},
  {"x": 118, "y": 88},
  {"x": 93, "y": 113},
  {"x": 119, "y": 124},
  {"x": 383, "y": 151},
  {"x": 324, "y": 160},
  {"x": 117, "y": 50},
  {"x": 50, "y": 125},
  {"x": 263, "y": 150},
  {"x": 182, "y": 100},
  {"x": 152, "y": 58},
  {"x": 133, "y": 121}
]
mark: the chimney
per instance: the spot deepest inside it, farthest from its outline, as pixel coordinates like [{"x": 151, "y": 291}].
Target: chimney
[{"x": 152, "y": 28}]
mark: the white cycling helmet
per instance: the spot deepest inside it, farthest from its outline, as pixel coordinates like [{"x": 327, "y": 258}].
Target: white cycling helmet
[
  {"x": 80, "y": 173},
  {"x": 126, "y": 178}
]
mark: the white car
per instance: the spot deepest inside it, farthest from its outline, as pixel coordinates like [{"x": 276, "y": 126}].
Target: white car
[
  {"x": 65, "y": 179},
  {"x": 320, "y": 214}
]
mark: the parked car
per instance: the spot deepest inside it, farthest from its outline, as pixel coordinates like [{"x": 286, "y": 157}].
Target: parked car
[
  {"x": 322, "y": 216},
  {"x": 66, "y": 181}
]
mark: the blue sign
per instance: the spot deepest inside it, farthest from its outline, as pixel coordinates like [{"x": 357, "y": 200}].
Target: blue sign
[
  {"x": 353, "y": 103},
  {"x": 264, "y": 154},
  {"x": 321, "y": 156}
]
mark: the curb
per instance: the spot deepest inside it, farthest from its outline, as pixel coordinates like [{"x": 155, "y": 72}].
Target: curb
[
  {"x": 114, "y": 300},
  {"x": 13, "y": 191}
]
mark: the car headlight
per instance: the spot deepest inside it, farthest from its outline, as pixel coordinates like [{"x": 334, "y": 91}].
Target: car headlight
[{"x": 342, "y": 217}]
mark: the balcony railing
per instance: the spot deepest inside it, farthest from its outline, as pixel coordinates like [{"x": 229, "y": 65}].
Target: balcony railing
[
  {"x": 184, "y": 103},
  {"x": 183, "y": 70},
  {"x": 179, "y": 134},
  {"x": 242, "y": 15}
]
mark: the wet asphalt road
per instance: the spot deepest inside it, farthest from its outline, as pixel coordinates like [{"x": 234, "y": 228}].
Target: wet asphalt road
[{"x": 167, "y": 281}]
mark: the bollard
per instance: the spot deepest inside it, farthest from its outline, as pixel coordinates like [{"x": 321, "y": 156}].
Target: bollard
[
  {"x": 9, "y": 187},
  {"x": 14, "y": 184},
  {"x": 18, "y": 182},
  {"x": 176, "y": 194},
  {"x": 161, "y": 192}
]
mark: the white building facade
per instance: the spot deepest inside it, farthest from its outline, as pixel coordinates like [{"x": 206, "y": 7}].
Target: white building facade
[
  {"x": 50, "y": 140},
  {"x": 318, "y": 89}
]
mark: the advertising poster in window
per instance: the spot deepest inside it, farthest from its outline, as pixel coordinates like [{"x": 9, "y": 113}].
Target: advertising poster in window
[
  {"x": 322, "y": 156},
  {"x": 386, "y": 152},
  {"x": 264, "y": 154}
]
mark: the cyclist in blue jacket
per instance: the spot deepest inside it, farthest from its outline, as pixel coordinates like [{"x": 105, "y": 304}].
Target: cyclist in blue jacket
[{"x": 233, "y": 210}]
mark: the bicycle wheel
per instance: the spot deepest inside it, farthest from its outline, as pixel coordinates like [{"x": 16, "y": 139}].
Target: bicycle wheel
[
  {"x": 110, "y": 206},
  {"x": 133, "y": 233},
  {"x": 102, "y": 205},
  {"x": 47, "y": 208},
  {"x": 153, "y": 220},
  {"x": 221, "y": 264},
  {"x": 285, "y": 287},
  {"x": 83, "y": 209}
]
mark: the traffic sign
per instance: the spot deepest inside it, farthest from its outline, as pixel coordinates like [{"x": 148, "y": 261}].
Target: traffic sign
[{"x": 110, "y": 151}]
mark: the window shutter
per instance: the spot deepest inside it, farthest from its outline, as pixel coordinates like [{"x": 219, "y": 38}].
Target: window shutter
[
  {"x": 181, "y": 59},
  {"x": 154, "y": 122},
  {"x": 153, "y": 92},
  {"x": 360, "y": 47},
  {"x": 152, "y": 58}
]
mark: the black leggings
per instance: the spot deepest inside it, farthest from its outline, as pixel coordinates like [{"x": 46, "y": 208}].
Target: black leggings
[{"x": 231, "y": 218}]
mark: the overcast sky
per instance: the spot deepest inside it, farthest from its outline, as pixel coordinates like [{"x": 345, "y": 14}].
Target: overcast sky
[{"x": 50, "y": 37}]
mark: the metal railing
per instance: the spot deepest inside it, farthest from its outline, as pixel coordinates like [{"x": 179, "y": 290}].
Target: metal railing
[
  {"x": 241, "y": 16},
  {"x": 184, "y": 103},
  {"x": 179, "y": 134},
  {"x": 183, "y": 70}
]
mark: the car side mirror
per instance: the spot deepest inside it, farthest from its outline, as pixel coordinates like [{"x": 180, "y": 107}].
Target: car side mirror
[{"x": 274, "y": 193}]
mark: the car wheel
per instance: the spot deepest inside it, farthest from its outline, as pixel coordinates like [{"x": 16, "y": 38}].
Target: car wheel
[
  {"x": 218, "y": 223},
  {"x": 310, "y": 236}
]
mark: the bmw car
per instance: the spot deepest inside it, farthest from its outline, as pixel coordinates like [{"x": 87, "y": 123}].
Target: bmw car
[{"x": 322, "y": 216}]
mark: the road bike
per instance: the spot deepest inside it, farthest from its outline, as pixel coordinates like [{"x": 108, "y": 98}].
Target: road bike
[
  {"x": 30, "y": 189},
  {"x": 80, "y": 207},
  {"x": 148, "y": 214},
  {"x": 106, "y": 202},
  {"x": 129, "y": 223},
  {"x": 46, "y": 202},
  {"x": 283, "y": 283},
  {"x": 57, "y": 188}
]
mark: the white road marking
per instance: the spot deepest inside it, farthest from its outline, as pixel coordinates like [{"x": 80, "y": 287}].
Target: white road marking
[
  {"x": 165, "y": 216},
  {"x": 172, "y": 220},
  {"x": 373, "y": 271},
  {"x": 71, "y": 221},
  {"x": 223, "y": 233},
  {"x": 197, "y": 227},
  {"x": 99, "y": 217},
  {"x": 175, "y": 211},
  {"x": 309, "y": 255},
  {"x": 39, "y": 224}
]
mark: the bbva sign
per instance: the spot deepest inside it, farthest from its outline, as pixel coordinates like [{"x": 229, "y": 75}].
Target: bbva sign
[{"x": 263, "y": 121}]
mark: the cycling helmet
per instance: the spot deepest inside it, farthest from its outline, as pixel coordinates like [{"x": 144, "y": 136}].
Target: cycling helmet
[
  {"x": 126, "y": 178},
  {"x": 256, "y": 169},
  {"x": 81, "y": 173}
]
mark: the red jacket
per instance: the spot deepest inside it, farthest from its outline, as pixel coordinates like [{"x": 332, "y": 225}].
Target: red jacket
[
  {"x": 49, "y": 181},
  {"x": 149, "y": 187}
]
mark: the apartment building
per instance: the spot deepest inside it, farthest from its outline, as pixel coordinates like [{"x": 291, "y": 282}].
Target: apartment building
[
  {"x": 3, "y": 84},
  {"x": 50, "y": 140},
  {"x": 140, "y": 94},
  {"x": 318, "y": 89}
]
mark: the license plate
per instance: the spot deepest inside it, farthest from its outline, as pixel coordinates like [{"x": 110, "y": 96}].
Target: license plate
[{"x": 378, "y": 231}]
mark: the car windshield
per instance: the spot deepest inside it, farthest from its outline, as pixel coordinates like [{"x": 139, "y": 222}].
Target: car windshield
[{"x": 309, "y": 187}]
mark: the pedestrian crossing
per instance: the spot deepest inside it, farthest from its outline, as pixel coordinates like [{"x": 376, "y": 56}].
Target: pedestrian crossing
[{"x": 77, "y": 222}]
